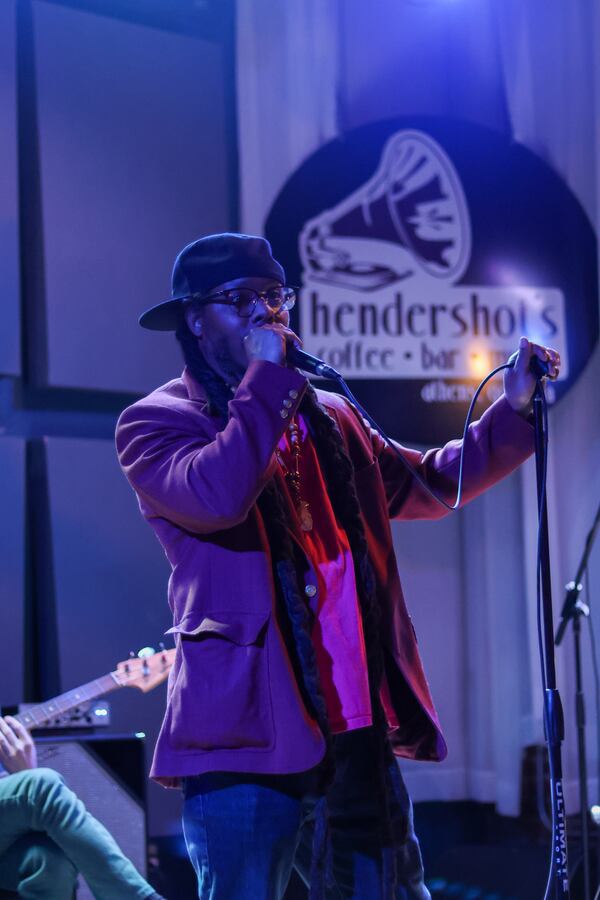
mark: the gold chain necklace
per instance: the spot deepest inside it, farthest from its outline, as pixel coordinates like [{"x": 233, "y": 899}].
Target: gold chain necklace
[{"x": 293, "y": 477}]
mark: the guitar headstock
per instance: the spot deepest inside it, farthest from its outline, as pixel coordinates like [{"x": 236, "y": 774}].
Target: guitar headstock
[{"x": 146, "y": 670}]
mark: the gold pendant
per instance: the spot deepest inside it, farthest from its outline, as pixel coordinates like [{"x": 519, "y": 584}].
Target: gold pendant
[{"x": 306, "y": 520}]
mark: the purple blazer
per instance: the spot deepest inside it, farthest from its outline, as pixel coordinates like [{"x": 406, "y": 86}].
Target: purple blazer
[{"x": 232, "y": 701}]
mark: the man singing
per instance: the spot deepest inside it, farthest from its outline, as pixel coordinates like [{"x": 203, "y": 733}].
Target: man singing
[{"x": 297, "y": 678}]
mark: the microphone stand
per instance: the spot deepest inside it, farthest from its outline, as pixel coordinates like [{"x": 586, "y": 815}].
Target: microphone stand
[
  {"x": 553, "y": 714},
  {"x": 573, "y": 609}
]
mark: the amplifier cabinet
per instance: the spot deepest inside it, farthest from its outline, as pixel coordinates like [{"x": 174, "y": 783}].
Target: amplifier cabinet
[{"x": 108, "y": 774}]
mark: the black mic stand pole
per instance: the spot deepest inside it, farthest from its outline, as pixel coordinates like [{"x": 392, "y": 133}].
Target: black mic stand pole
[
  {"x": 573, "y": 609},
  {"x": 558, "y": 884}
]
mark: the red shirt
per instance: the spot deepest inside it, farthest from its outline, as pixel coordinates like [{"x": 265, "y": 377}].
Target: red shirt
[{"x": 337, "y": 632}]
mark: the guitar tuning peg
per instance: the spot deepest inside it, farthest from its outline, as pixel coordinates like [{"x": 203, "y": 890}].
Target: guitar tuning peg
[
  {"x": 131, "y": 654},
  {"x": 162, "y": 647}
]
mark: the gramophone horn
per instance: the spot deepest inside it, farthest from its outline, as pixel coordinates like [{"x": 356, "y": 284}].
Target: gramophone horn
[{"x": 413, "y": 201}]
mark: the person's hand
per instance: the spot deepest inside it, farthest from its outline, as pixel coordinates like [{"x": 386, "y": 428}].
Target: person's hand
[
  {"x": 519, "y": 382},
  {"x": 17, "y": 750},
  {"x": 269, "y": 342}
]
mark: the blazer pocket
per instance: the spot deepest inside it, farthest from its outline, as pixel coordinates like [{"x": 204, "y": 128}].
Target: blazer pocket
[{"x": 221, "y": 697}]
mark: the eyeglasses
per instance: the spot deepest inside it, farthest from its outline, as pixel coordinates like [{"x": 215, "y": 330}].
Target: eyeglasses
[{"x": 244, "y": 300}]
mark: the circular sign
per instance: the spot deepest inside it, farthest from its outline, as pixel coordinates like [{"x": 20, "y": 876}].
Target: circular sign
[{"x": 423, "y": 249}]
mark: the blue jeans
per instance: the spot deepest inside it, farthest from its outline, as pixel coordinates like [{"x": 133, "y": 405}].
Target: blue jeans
[{"x": 245, "y": 833}]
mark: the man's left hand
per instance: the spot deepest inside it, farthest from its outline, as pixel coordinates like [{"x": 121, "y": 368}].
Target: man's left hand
[
  {"x": 519, "y": 382},
  {"x": 17, "y": 750}
]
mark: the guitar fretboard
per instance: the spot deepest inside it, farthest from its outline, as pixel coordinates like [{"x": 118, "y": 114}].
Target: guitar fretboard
[{"x": 43, "y": 712}]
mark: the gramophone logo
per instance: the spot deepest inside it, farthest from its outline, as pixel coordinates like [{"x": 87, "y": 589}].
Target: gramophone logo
[
  {"x": 410, "y": 217},
  {"x": 380, "y": 278}
]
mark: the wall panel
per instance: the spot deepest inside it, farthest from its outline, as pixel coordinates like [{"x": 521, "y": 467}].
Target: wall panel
[
  {"x": 134, "y": 165},
  {"x": 9, "y": 221},
  {"x": 111, "y": 580},
  {"x": 12, "y": 570}
]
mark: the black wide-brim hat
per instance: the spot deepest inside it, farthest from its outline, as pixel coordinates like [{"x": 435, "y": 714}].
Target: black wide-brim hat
[{"x": 206, "y": 263}]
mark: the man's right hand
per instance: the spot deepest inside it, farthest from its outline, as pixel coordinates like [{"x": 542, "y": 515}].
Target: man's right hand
[
  {"x": 269, "y": 342},
  {"x": 17, "y": 750}
]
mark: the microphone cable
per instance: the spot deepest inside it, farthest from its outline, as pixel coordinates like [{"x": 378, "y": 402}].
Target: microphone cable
[{"x": 543, "y": 370}]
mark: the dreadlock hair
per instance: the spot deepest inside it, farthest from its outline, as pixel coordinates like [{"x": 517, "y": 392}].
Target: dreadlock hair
[{"x": 339, "y": 477}]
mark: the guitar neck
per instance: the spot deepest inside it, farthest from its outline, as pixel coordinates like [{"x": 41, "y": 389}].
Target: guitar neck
[{"x": 44, "y": 712}]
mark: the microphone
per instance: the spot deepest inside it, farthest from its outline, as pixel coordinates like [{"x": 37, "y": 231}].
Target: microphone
[
  {"x": 538, "y": 367},
  {"x": 308, "y": 363}
]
